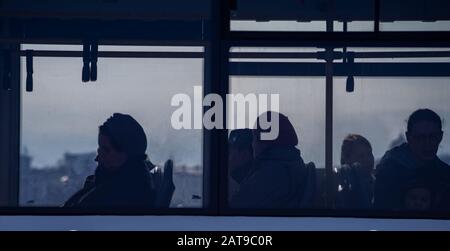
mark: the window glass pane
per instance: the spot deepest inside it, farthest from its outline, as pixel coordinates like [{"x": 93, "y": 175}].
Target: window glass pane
[
  {"x": 354, "y": 26},
  {"x": 288, "y": 15},
  {"x": 60, "y": 120},
  {"x": 302, "y": 100},
  {"x": 380, "y": 107},
  {"x": 274, "y": 54},
  {"x": 248, "y": 25},
  {"x": 429, "y": 15},
  {"x": 408, "y": 55},
  {"x": 378, "y": 110},
  {"x": 415, "y": 26},
  {"x": 292, "y": 15},
  {"x": 60, "y": 47},
  {"x": 150, "y": 48}
]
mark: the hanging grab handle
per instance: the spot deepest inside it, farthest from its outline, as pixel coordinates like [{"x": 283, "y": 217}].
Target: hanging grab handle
[
  {"x": 86, "y": 60},
  {"x": 29, "y": 58},
  {"x": 94, "y": 58}
]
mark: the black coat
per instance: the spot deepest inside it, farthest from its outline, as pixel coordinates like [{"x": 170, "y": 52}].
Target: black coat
[
  {"x": 274, "y": 181},
  {"x": 398, "y": 170},
  {"x": 129, "y": 187}
]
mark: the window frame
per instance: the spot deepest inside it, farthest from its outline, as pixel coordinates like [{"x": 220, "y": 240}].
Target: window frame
[{"x": 217, "y": 43}]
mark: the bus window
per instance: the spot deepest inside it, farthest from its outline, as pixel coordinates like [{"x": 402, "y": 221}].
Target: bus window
[
  {"x": 60, "y": 121},
  {"x": 269, "y": 174},
  {"x": 377, "y": 164}
]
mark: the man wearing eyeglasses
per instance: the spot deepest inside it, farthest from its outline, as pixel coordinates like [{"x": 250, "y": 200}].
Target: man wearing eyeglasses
[{"x": 414, "y": 162}]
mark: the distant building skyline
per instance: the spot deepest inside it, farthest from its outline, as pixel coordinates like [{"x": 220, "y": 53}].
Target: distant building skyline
[{"x": 52, "y": 186}]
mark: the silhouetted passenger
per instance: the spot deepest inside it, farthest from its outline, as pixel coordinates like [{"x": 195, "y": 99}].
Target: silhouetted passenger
[
  {"x": 355, "y": 176},
  {"x": 240, "y": 157},
  {"x": 275, "y": 178},
  {"x": 414, "y": 160},
  {"x": 122, "y": 178}
]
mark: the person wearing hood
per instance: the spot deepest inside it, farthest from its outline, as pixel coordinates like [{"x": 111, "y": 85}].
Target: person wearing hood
[
  {"x": 275, "y": 177},
  {"x": 122, "y": 178},
  {"x": 416, "y": 159}
]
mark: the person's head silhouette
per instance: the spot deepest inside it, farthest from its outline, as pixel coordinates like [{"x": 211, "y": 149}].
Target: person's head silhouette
[
  {"x": 286, "y": 135},
  {"x": 356, "y": 149},
  {"x": 424, "y": 134},
  {"x": 120, "y": 139}
]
